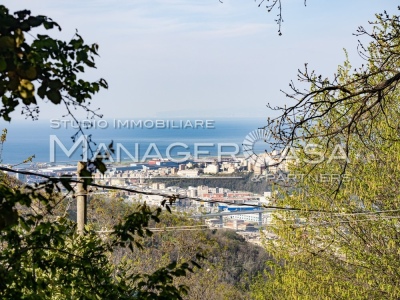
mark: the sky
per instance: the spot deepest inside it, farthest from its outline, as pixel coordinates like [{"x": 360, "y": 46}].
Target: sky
[{"x": 203, "y": 58}]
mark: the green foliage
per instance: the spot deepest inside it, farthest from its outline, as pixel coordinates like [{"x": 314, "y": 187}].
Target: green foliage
[
  {"x": 51, "y": 261},
  {"x": 43, "y": 257},
  {"x": 41, "y": 254},
  {"x": 229, "y": 263},
  {"x": 3, "y": 138},
  {"x": 46, "y": 67},
  {"x": 350, "y": 249}
]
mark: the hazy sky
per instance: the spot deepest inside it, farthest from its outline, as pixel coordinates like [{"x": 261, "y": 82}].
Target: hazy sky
[{"x": 203, "y": 58}]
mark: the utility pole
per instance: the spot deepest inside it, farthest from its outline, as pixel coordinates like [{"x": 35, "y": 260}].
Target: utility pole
[{"x": 81, "y": 201}]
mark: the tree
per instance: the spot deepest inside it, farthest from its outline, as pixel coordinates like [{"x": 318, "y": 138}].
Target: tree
[
  {"x": 230, "y": 261},
  {"x": 359, "y": 96},
  {"x": 41, "y": 254},
  {"x": 46, "y": 67},
  {"x": 344, "y": 241}
]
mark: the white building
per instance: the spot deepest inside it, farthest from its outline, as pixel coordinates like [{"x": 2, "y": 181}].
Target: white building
[
  {"x": 211, "y": 169},
  {"x": 189, "y": 173}
]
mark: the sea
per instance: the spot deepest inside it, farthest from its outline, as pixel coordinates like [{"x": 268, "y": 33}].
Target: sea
[{"x": 58, "y": 141}]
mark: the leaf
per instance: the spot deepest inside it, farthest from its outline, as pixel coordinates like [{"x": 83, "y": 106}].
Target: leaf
[
  {"x": 42, "y": 91},
  {"x": 195, "y": 264},
  {"x": 65, "y": 182},
  {"x": 31, "y": 73},
  {"x": 103, "y": 83},
  {"x": 3, "y": 64},
  {"x": 6, "y": 42},
  {"x": 19, "y": 37},
  {"x": 35, "y": 21},
  {"x": 26, "y": 89},
  {"x": 54, "y": 96},
  {"x": 87, "y": 177},
  {"x": 100, "y": 166},
  {"x": 55, "y": 84},
  {"x": 9, "y": 217},
  {"x": 23, "y": 13},
  {"x": 13, "y": 81},
  {"x": 48, "y": 25}
]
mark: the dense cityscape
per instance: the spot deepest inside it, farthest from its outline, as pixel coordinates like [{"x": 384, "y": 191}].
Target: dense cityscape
[{"x": 218, "y": 207}]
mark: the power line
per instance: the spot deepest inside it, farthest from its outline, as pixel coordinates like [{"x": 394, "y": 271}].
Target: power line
[
  {"x": 180, "y": 197},
  {"x": 294, "y": 226},
  {"x": 323, "y": 224},
  {"x": 162, "y": 229},
  {"x": 174, "y": 196}
]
